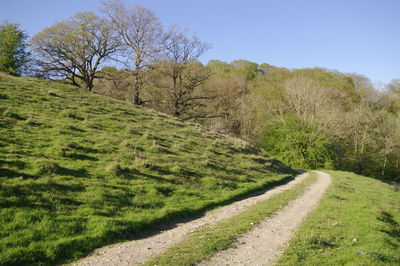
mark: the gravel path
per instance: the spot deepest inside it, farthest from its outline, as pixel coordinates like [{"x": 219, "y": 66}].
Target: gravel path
[
  {"x": 264, "y": 244},
  {"x": 139, "y": 251}
]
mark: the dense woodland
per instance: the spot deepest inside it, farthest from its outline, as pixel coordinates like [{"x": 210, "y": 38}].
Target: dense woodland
[{"x": 307, "y": 118}]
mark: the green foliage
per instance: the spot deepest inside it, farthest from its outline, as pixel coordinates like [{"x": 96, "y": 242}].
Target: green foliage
[
  {"x": 242, "y": 68},
  {"x": 356, "y": 223},
  {"x": 13, "y": 54},
  {"x": 245, "y": 68},
  {"x": 299, "y": 144},
  {"x": 74, "y": 49},
  {"x": 329, "y": 79},
  {"x": 218, "y": 66},
  {"x": 92, "y": 171}
]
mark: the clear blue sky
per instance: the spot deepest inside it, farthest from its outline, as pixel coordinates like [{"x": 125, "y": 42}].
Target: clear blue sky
[{"x": 361, "y": 36}]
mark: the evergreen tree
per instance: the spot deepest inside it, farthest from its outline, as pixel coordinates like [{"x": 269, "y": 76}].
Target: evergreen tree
[{"x": 13, "y": 54}]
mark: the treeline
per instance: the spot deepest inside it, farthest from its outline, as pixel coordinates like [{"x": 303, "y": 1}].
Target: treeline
[{"x": 307, "y": 118}]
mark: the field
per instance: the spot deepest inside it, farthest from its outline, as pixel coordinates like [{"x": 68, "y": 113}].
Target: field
[
  {"x": 356, "y": 223},
  {"x": 79, "y": 171}
]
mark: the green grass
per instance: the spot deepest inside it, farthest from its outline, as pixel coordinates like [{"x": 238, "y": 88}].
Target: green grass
[
  {"x": 356, "y": 223},
  {"x": 79, "y": 170},
  {"x": 208, "y": 240}
]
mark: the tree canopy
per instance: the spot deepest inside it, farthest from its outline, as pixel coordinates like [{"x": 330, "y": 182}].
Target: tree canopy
[
  {"x": 74, "y": 48},
  {"x": 13, "y": 53},
  {"x": 141, "y": 35}
]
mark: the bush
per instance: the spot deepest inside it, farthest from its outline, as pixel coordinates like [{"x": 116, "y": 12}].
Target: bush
[{"x": 300, "y": 144}]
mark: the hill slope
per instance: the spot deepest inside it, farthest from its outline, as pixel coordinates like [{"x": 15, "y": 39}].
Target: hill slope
[
  {"x": 79, "y": 170},
  {"x": 356, "y": 223}
]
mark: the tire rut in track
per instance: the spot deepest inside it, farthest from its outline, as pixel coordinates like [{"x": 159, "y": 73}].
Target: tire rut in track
[{"x": 266, "y": 242}]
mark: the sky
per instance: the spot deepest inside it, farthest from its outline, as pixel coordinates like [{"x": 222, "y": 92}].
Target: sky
[{"x": 350, "y": 36}]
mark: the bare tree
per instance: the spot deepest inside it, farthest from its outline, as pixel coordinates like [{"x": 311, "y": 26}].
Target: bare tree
[
  {"x": 228, "y": 93},
  {"x": 394, "y": 85},
  {"x": 358, "y": 136},
  {"x": 181, "y": 67},
  {"x": 74, "y": 48},
  {"x": 306, "y": 98},
  {"x": 388, "y": 134},
  {"x": 141, "y": 34}
]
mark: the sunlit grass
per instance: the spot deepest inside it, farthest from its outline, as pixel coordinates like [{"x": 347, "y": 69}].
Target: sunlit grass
[
  {"x": 356, "y": 223},
  {"x": 78, "y": 171}
]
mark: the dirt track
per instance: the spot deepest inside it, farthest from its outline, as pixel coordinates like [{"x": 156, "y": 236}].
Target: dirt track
[
  {"x": 264, "y": 244},
  {"x": 139, "y": 251}
]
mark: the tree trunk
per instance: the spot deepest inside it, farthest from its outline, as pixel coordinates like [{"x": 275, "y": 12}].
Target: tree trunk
[
  {"x": 137, "y": 87},
  {"x": 359, "y": 167},
  {"x": 136, "y": 96},
  {"x": 177, "y": 112},
  {"x": 175, "y": 96},
  {"x": 384, "y": 167},
  {"x": 89, "y": 84},
  {"x": 73, "y": 80}
]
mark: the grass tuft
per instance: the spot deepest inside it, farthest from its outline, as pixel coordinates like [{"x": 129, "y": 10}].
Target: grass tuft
[
  {"x": 46, "y": 167},
  {"x": 13, "y": 115}
]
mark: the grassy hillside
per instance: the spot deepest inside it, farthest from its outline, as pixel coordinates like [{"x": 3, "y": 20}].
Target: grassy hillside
[
  {"x": 356, "y": 223},
  {"x": 78, "y": 171}
]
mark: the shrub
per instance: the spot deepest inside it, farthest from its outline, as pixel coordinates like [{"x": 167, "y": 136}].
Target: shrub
[{"x": 300, "y": 144}]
